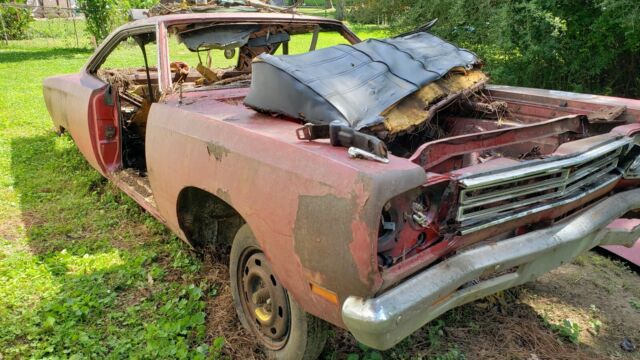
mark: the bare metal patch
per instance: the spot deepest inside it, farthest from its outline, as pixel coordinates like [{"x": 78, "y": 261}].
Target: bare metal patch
[
  {"x": 217, "y": 151},
  {"x": 224, "y": 195},
  {"x": 322, "y": 237}
]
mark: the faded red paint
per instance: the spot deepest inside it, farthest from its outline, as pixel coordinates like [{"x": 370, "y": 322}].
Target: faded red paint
[
  {"x": 178, "y": 157},
  {"x": 103, "y": 118},
  {"x": 67, "y": 98}
]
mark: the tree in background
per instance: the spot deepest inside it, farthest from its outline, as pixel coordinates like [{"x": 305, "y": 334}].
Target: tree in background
[
  {"x": 340, "y": 13},
  {"x": 587, "y": 46},
  {"x": 377, "y": 12},
  {"x": 101, "y": 16},
  {"x": 16, "y": 21},
  {"x": 104, "y": 15}
]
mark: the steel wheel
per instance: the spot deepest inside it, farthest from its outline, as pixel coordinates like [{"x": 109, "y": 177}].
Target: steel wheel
[
  {"x": 264, "y": 300},
  {"x": 266, "y": 309}
]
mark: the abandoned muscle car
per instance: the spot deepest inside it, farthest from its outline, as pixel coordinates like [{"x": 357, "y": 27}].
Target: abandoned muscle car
[{"x": 373, "y": 185}]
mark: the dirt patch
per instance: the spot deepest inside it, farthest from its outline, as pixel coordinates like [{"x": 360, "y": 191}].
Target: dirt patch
[
  {"x": 513, "y": 331},
  {"x": 597, "y": 293},
  {"x": 11, "y": 228},
  {"x": 487, "y": 329},
  {"x": 221, "y": 315}
]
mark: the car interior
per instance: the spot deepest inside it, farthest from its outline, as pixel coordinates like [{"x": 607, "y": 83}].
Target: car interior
[{"x": 203, "y": 57}]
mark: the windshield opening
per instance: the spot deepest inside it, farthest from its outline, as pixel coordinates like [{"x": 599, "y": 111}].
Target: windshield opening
[{"x": 215, "y": 56}]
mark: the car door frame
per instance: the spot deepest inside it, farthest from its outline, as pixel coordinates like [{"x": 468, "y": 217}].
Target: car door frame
[{"x": 104, "y": 112}]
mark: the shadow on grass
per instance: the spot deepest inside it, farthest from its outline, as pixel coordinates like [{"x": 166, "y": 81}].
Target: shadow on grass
[
  {"x": 112, "y": 281},
  {"x": 96, "y": 254},
  {"x": 16, "y": 56},
  {"x": 57, "y": 191}
]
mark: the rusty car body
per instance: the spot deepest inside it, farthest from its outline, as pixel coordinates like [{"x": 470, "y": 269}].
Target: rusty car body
[{"x": 487, "y": 201}]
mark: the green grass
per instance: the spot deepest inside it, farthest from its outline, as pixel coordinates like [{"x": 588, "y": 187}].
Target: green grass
[{"x": 82, "y": 268}]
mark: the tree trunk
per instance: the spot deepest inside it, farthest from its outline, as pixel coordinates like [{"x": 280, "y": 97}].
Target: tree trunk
[
  {"x": 340, "y": 10},
  {"x": 328, "y": 4}
]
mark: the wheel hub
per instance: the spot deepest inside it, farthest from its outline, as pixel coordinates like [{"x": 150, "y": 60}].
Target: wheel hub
[{"x": 264, "y": 300}]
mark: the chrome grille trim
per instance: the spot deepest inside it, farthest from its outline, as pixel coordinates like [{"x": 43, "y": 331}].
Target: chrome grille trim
[{"x": 552, "y": 182}]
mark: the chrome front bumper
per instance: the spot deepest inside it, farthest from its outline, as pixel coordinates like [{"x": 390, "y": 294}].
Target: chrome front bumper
[{"x": 384, "y": 321}]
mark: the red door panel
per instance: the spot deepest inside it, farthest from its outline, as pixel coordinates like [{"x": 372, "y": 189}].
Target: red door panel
[
  {"x": 104, "y": 128},
  {"x": 68, "y": 99}
]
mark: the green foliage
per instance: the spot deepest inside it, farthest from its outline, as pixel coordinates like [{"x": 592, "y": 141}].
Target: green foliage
[
  {"x": 555, "y": 44},
  {"x": 16, "y": 22},
  {"x": 138, "y": 4},
  {"x": 103, "y": 16},
  {"x": 315, "y": 3},
  {"x": 367, "y": 354},
  {"x": 567, "y": 329},
  {"x": 451, "y": 354},
  {"x": 376, "y": 12},
  {"x": 596, "y": 326},
  {"x": 181, "y": 326}
]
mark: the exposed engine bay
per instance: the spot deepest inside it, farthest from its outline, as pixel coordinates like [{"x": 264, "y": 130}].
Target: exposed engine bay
[{"x": 503, "y": 161}]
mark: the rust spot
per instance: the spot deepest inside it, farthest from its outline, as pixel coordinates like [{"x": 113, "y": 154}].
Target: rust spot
[
  {"x": 233, "y": 100},
  {"x": 217, "y": 151},
  {"x": 323, "y": 234},
  {"x": 223, "y": 195}
]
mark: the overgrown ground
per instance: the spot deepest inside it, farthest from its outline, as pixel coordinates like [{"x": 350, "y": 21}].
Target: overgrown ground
[{"x": 85, "y": 273}]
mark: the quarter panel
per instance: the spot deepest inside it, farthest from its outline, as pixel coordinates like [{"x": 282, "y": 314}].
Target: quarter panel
[{"x": 313, "y": 210}]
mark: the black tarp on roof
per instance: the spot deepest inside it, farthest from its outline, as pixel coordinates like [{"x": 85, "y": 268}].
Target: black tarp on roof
[{"x": 352, "y": 83}]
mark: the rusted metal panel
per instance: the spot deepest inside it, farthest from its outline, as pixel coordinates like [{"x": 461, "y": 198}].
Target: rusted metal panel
[
  {"x": 435, "y": 152},
  {"x": 563, "y": 100}
]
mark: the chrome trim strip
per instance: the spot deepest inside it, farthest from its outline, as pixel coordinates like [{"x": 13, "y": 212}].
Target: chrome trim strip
[
  {"x": 564, "y": 186},
  {"x": 563, "y": 179},
  {"x": 469, "y": 229},
  {"x": 541, "y": 166}
]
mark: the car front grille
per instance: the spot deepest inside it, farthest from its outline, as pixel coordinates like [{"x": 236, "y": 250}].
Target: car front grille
[{"x": 496, "y": 197}]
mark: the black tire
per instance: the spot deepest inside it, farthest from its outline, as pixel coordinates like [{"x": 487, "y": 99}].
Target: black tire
[{"x": 305, "y": 335}]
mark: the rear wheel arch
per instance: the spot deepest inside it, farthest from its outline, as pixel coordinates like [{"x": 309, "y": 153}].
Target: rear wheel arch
[{"x": 206, "y": 219}]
